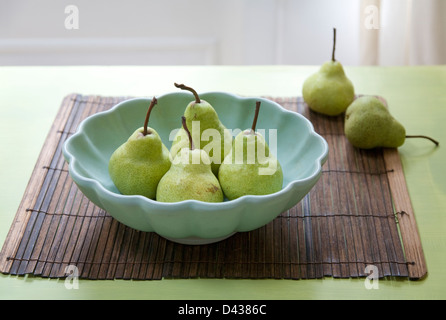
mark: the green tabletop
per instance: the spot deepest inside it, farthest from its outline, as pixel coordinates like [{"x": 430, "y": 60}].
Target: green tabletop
[{"x": 31, "y": 96}]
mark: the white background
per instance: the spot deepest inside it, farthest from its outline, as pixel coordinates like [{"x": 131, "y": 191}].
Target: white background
[{"x": 217, "y": 32}]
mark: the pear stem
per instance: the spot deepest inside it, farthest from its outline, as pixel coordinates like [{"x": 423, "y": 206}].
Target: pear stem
[
  {"x": 334, "y": 45},
  {"x": 146, "y": 122},
  {"x": 191, "y": 143},
  {"x": 425, "y": 137},
  {"x": 183, "y": 87},
  {"x": 256, "y": 115}
]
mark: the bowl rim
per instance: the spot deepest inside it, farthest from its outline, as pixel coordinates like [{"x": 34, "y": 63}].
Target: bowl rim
[{"x": 71, "y": 159}]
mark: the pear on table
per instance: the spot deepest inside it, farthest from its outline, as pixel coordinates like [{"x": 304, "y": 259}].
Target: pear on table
[
  {"x": 190, "y": 176},
  {"x": 250, "y": 168},
  {"x": 200, "y": 112},
  {"x": 369, "y": 124},
  {"x": 329, "y": 91},
  {"x": 137, "y": 165}
]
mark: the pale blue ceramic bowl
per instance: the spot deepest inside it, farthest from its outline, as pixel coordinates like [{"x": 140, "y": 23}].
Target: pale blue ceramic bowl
[{"x": 300, "y": 151}]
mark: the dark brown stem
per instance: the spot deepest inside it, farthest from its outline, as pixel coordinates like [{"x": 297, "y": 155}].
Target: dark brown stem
[
  {"x": 152, "y": 104},
  {"x": 183, "y": 87},
  {"x": 425, "y": 137},
  {"x": 191, "y": 143},
  {"x": 256, "y": 115},
  {"x": 334, "y": 45}
]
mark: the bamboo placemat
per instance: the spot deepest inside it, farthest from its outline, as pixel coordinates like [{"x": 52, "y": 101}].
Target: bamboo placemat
[{"x": 359, "y": 215}]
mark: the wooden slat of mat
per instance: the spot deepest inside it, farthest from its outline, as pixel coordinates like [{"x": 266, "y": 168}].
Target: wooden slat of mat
[
  {"x": 336, "y": 230},
  {"x": 87, "y": 214},
  {"x": 62, "y": 226},
  {"x": 20, "y": 222},
  {"x": 406, "y": 218},
  {"x": 45, "y": 204}
]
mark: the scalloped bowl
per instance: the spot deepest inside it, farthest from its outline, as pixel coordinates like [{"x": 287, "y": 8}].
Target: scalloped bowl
[{"x": 300, "y": 151}]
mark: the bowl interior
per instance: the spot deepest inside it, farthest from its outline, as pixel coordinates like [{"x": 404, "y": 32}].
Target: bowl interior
[{"x": 289, "y": 135}]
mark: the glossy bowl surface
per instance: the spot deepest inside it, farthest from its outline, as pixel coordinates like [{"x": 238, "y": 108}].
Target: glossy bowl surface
[{"x": 300, "y": 151}]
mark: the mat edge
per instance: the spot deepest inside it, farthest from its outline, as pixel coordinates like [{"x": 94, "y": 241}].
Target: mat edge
[{"x": 12, "y": 242}]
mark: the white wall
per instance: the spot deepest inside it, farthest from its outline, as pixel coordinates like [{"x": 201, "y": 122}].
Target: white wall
[
  {"x": 175, "y": 32},
  {"x": 235, "y": 32}
]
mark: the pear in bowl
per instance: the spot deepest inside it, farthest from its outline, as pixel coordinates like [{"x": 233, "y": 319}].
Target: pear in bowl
[
  {"x": 190, "y": 176},
  {"x": 250, "y": 168},
  {"x": 138, "y": 164}
]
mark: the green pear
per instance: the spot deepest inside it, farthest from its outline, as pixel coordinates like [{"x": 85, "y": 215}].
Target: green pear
[
  {"x": 250, "y": 168},
  {"x": 329, "y": 91},
  {"x": 137, "y": 165},
  {"x": 190, "y": 177},
  {"x": 369, "y": 124},
  {"x": 208, "y": 133}
]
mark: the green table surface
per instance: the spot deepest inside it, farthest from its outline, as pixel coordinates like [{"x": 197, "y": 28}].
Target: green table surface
[{"x": 31, "y": 96}]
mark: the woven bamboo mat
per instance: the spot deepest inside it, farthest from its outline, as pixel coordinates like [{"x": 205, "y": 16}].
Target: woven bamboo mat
[{"x": 356, "y": 219}]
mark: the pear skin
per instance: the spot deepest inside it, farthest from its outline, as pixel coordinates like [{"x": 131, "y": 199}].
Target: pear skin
[
  {"x": 240, "y": 178},
  {"x": 329, "y": 91},
  {"x": 200, "y": 112},
  {"x": 369, "y": 124},
  {"x": 137, "y": 166},
  {"x": 250, "y": 168},
  {"x": 188, "y": 179}
]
